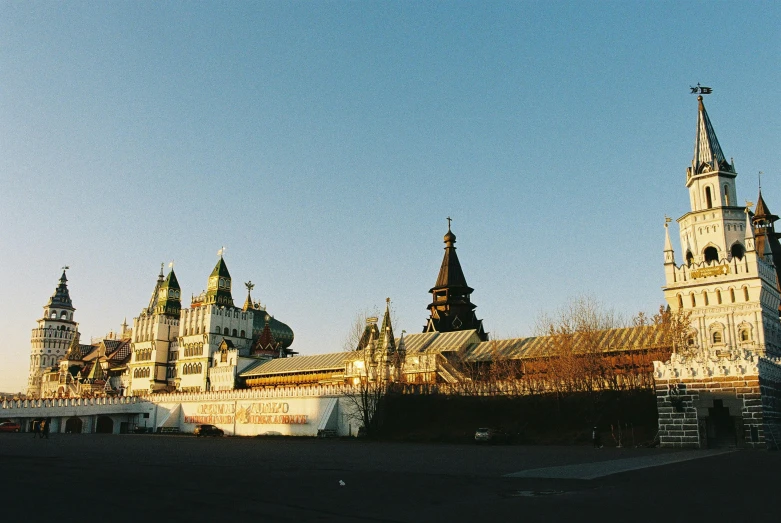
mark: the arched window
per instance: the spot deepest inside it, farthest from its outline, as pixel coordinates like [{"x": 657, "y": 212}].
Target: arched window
[
  {"x": 235, "y": 333},
  {"x": 689, "y": 258},
  {"x": 745, "y": 293},
  {"x": 225, "y": 331},
  {"x": 716, "y": 337},
  {"x": 222, "y": 283},
  {"x": 708, "y": 198},
  {"x": 680, "y": 301},
  {"x": 705, "y": 298},
  {"x": 694, "y": 301},
  {"x": 745, "y": 334},
  {"x": 711, "y": 254},
  {"x": 732, "y": 295},
  {"x": 718, "y": 296},
  {"x": 243, "y": 334},
  {"x": 64, "y": 315},
  {"x": 737, "y": 250},
  {"x": 726, "y": 195},
  {"x": 54, "y": 315}
]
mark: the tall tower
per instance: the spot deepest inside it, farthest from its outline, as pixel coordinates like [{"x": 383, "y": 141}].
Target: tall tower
[
  {"x": 52, "y": 337},
  {"x": 727, "y": 283},
  {"x": 451, "y": 307},
  {"x": 154, "y": 331}
]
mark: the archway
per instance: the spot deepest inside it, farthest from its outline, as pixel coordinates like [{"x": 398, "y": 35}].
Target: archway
[
  {"x": 73, "y": 425},
  {"x": 105, "y": 425},
  {"x": 711, "y": 254}
]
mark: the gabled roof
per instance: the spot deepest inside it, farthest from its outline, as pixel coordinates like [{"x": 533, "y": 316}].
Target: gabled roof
[
  {"x": 612, "y": 340},
  {"x": 320, "y": 362},
  {"x": 427, "y": 342}
]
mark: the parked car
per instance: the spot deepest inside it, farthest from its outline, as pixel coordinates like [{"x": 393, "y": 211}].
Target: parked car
[
  {"x": 10, "y": 426},
  {"x": 208, "y": 430},
  {"x": 490, "y": 435}
]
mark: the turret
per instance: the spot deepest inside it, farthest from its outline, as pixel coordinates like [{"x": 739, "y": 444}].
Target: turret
[
  {"x": 218, "y": 291},
  {"x": 169, "y": 299},
  {"x": 451, "y": 307}
]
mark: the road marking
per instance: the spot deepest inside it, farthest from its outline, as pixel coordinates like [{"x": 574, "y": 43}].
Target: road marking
[{"x": 606, "y": 468}]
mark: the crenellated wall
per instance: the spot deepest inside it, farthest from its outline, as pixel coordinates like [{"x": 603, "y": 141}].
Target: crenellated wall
[{"x": 729, "y": 398}]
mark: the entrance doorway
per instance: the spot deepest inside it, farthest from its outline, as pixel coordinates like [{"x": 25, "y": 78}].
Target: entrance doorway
[
  {"x": 105, "y": 425},
  {"x": 73, "y": 426},
  {"x": 722, "y": 428}
]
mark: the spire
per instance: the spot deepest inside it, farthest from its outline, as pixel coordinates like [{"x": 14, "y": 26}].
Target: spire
[
  {"x": 61, "y": 297},
  {"x": 155, "y": 293},
  {"x": 451, "y": 307},
  {"x": 669, "y": 254},
  {"x": 386, "y": 340},
  {"x": 707, "y": 151},
  {"x": 96, "y": 372},
  {"x": 218, "y": 291},
  {"x": 450, "y": 273},
  {"x": 767, "y": 244},
  {"x": 749, "y": 239},
  {"x": 169, "y": 299},
  {"x": 248, "y": 304},
  {"x": 74, "y": 350}
]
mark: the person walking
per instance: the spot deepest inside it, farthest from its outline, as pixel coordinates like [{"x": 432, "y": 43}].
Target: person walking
[
  {"x": 43, "y": 428},
  {"x": 46, "y": 424},
  {"x": 596, "y": 439}
]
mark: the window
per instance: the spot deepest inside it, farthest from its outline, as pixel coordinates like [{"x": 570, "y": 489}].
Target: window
[
  {"x": 745, "y": 293},
  {"x": 689, "y": 258},
  {"x": 745, "y": 335},
  {"x": 737, "y": 251},
  {"x": 708, "y": 198},
  {"x": 726, "y": 194},
  {"x": 694, "y": 302},
  {"x": 243, "y": 334},
  {"x": 732, "y": 295},
  {"x": 717, "y": 337},
  {"x": 718, "y": 297},
  {"x": 225, "y": 331},
  {"x": 235, "y": 332},
  {"x": 705, "y": 297},
  {"x": 711, "y": 254}
]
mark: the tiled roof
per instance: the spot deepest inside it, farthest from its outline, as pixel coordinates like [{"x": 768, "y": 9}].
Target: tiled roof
[
  {"x": 320, "y": 362},
  {"x": 439, "y": 341},
  {"x": 627, "y": 338}
]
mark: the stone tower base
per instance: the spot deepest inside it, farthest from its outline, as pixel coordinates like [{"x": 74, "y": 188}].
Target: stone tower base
[{"x": 725, "y": 399}]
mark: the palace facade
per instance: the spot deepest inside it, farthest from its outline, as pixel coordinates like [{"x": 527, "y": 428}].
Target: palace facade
[{"x": 718, "y": 384}]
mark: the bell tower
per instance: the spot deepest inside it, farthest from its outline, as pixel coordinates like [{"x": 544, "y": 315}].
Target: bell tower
[
  {"x": 726, "y": 281},
  {"x": 451, "y": 306},
  {"x": 52, "y": 337}
]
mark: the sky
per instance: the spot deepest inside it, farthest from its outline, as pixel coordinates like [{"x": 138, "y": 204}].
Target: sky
[{"x": 323, "y": 144}]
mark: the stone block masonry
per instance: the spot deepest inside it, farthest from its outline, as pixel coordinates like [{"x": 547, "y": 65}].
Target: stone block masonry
[{"x": 708, "y": 400}]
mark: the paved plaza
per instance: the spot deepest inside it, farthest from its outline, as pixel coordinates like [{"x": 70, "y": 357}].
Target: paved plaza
[{"x": 182, "y": 478}]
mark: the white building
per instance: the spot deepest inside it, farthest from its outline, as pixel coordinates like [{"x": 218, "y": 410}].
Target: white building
[{"x": 727, "y": 281}]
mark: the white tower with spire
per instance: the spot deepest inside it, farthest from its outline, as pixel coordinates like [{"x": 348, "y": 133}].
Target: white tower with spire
[
  {"x": 52, "y": 337},
  {"x": 730, "y": 289}
]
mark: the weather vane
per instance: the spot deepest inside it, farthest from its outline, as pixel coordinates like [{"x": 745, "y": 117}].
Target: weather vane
[
  {"x": 749, "y": 205},
  {"x": 65, "y": 268},
  {"x": 249, "y": 285},
  {"x": 667, "y": 220},
  {"x": 221, "y": 251},
  {"x": 700, "y": 89}
]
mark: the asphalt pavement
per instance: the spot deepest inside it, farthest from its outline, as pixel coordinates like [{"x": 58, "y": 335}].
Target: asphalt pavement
[{"x": 183, "y": 478}]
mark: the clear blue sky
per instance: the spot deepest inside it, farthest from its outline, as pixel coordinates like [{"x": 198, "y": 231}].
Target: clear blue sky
[{"x": 325, "y": 143}]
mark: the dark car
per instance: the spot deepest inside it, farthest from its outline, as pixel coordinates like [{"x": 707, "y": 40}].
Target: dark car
[
  {"x": 10, "y": 426},
  {"x": 208, "y": 430},
  {"x": 490, "y": 435}
]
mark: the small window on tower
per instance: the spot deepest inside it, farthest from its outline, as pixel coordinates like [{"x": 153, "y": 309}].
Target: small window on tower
[
  {"x": 737, "y": 251},
  {"x": 711, "y": 254},
  {"x": 708, "y": 198},
  {"x": 726, "y": 194},
  {"x": 689, "y": 258}
]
